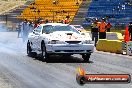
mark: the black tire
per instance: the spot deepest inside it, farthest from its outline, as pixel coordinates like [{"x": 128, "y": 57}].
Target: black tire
[
  {"x": 86, "y": 57},
  {"x": 29, "y": 51},
  {"x": 44, "y": 54}
]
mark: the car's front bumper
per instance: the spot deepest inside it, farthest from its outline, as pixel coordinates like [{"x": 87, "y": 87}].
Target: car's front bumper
[{"x": 70, "y": 48}]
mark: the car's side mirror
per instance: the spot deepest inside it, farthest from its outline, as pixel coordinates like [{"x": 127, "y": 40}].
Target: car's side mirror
[{"x": 36, "y": 33}]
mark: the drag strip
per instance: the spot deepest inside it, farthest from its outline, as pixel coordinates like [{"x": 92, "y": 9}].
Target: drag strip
[{"x": 59, "y": 72}]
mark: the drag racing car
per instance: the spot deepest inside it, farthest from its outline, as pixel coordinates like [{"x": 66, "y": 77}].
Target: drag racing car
[{"x": 59, "y": 39}]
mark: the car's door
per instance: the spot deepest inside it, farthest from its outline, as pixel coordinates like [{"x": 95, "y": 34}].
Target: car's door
[{"x": 36, "y": 38}]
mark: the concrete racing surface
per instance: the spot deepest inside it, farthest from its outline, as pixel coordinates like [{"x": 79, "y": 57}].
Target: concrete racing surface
[{"x": 17, "y": 70}]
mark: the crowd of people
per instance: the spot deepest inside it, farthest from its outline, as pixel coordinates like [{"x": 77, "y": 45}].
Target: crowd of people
[{"x": 99, "y": 29}]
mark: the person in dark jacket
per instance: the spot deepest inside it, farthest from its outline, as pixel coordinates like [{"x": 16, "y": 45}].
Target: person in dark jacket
[
  {"x": 94, "y": 31},
  {"x": 130, "y": 30}
]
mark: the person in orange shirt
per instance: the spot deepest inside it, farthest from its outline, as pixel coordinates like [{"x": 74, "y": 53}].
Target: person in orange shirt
[
  {"x": 102, "y": 29},
  {"x": 108, "y": 27},
  {"x": 67, "y": 21}
]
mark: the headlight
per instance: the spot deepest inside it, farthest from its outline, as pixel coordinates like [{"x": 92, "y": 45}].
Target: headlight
[
  {"x": 87, "y": 42},
  {"x": 56, "y": 42}
]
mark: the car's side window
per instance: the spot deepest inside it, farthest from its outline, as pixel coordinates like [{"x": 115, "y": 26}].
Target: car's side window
[
  {"x": 43, "y": 31},
  {"x": 46, "y": 29}
]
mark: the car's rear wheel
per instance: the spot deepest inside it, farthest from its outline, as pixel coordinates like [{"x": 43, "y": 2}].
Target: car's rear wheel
[
  {"x": 29, "y": 50},
  {"x": 44, "y": 54},
  {"x": 86, "y": 57}
]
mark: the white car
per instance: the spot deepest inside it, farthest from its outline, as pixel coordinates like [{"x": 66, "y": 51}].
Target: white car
[{"x": 59, "y": 39}]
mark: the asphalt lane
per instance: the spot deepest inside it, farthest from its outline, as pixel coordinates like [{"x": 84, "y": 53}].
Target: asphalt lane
[{"x": 59, "y": 72}]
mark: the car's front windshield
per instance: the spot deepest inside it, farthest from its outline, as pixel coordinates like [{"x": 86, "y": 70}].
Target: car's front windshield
[{"x": 50, "y": 29}]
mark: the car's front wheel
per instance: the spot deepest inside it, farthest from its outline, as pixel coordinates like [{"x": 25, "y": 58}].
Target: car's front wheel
[
  {"x": 86, "y": 57},
  {"x": 44, "y": 54},
  {"x": 29, "y": 50}
]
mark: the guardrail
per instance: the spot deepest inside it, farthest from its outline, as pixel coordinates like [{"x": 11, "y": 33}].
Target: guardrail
[{"x": 113, "y": 43}]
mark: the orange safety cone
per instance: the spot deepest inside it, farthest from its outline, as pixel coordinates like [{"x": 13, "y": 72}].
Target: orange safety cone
[{"x": 126, "y": 37}]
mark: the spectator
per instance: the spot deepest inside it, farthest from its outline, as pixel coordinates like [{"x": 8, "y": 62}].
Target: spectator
[
  {"x": 94, "y": 31},
  {"x": 31, "y": 26},
  {"x": 102, "y": 29},
  {"x": 130, "y": 30},
  {"x": 66, "y": 21},
  {"x": 36, "y": 24},
  {"x": 41, "y": 21},
  {"x": 62, "y": 21},
  {"x": 25, "y": 29},
  {"x": 59, "y": 21},
  {"x": 46, "y": 21},
  {"x": 108, "y": 27}
]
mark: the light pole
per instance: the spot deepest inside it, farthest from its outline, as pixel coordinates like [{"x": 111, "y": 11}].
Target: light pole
[{"x": 6, "y": 18}]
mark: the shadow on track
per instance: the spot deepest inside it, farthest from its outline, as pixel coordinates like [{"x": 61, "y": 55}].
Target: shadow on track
[{"x": 63, "y": 59}]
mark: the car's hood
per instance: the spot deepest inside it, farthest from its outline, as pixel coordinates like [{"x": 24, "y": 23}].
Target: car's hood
[{"x": 68, "y": 36}]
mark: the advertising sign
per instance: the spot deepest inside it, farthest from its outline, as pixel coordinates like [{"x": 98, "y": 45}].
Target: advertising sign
[{"x": 111, "y": 36}]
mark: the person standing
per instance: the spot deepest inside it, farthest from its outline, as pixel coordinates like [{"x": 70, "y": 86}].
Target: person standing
[
  {"x": 31, "y": 27},
  {"x": 67, "y": 20},
  {"x": 59, "y": 21},
  {"x": 108, "y": 27},
  {"x": 36, "y": 24},
  {"x": 25, "y": 29},
  {"x": 130, "y": 30},
  {"x": 102, "y": 29},
  {"x": 94, "y": 31},
  {"x": 19, "y": 29},
  {"x": 46, "y": 21}
]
